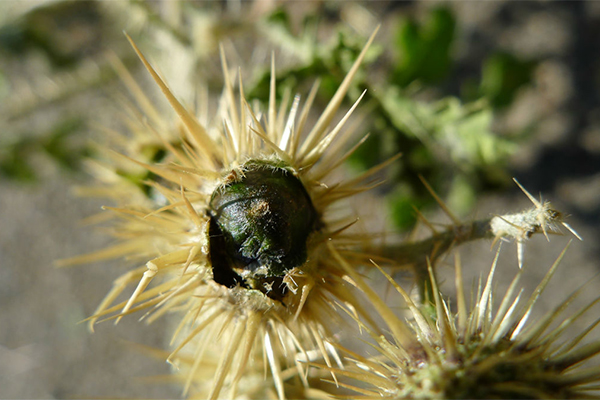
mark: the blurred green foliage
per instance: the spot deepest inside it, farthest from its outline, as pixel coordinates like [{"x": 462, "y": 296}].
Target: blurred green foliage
[
  {"x": 503, "y": 74},
  {"x": 18, "y": 151},
  {"x": 64, "y": 31},
  {"x": 424, "y": 50}
]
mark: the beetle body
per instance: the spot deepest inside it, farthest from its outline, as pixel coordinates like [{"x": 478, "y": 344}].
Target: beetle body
[{"x": 261, "y": 219}]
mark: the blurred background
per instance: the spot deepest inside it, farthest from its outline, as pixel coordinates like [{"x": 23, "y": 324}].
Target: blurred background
[{"x": 472, "y": 94}]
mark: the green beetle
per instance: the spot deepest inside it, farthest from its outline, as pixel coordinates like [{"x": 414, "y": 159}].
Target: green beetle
[{"x": 260, "y": 222}]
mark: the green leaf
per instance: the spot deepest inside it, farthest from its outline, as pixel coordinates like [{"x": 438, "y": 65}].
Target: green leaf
[
  {"x": 455, "y": 133},
  {"x": 281, "y": 18},
  {"x": 462, "y": 195},
  {"x": 14, "y": 166},
  {"x": 502, "y": 76},
  {"x": 57, "y": 145},
  {"x": 425, "y": 51},
  {"x": 402, "y": 203}
]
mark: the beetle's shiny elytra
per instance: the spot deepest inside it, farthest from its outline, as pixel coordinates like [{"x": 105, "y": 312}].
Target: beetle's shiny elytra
[{"x": 260, "y": 221}]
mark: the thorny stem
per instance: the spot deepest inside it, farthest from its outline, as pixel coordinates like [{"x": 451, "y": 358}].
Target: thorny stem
[
  {"x": 541, "y": 218},
  {"x": 416, "y": 254}
]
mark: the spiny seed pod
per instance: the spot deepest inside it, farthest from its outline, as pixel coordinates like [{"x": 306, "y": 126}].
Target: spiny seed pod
[
  {"x": 238, "y": 238},
  {"x": 260, "y": 221}
]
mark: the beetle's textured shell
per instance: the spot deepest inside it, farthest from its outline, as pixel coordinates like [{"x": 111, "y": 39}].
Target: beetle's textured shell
[{"x": 260, "y": 224}]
